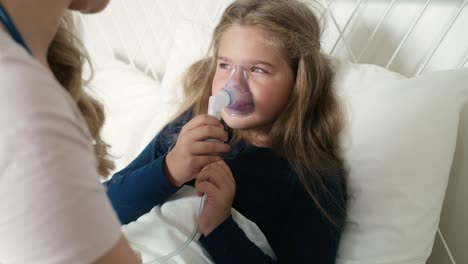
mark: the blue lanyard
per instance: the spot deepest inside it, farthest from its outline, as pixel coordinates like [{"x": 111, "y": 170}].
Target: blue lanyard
[{"x": 8, "y": 22}]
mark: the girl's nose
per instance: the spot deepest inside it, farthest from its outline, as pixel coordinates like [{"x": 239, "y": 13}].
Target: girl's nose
[{"x": 242, "y": 102}]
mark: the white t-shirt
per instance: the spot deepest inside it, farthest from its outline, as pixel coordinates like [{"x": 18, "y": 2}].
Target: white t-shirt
[{"x": 53, "y": 208}]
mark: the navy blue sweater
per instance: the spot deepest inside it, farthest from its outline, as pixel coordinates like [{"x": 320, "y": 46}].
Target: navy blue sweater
[{"x": 267, "y": 193}]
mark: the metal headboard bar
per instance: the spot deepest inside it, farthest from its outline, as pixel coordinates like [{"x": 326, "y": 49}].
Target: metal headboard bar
[
  {"x": 464, "y": 62},
  {"x": 124, "y": 44},
  {"x": 376, "y": 29},
  {"x": 324, "y": 12},
  {"x": 350, "y": 52},
  {"x": 407, "y": 35},
  {"x": 167, "y": 16},
  {"x": 442, "y": 37},
  {"x": 156, "y": 34},
  {"x": 85, "y": 24},
  {"x": 153, "y": 35},
  {"x": 449, "y": 253},
  {"x": 138, "y": 40}
]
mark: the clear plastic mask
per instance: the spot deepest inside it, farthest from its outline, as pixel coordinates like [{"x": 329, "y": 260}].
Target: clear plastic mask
[
  {"x": 241, "y": 98},
  {"x": 236, "y": 98}
]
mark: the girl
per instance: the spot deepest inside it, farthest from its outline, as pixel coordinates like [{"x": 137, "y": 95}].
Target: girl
[
  {"x": 281, "y": 168},
  {"x": 53, "y": 207}
]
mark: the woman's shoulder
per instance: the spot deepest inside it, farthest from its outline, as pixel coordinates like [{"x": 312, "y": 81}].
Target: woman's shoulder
[
  {"x": 29, "y": 89},
  {"x": 48, "y": 166}
]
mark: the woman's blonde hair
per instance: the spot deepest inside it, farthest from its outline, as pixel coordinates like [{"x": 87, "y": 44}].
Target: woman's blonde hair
[
  {"x": 306, "y": 133},
  {"x": 66, "y": 57}
]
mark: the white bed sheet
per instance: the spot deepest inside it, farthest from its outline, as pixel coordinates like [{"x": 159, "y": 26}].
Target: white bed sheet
[{"x": 165, "y": 227}]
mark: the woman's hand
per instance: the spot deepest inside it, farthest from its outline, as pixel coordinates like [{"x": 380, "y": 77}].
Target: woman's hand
[
  {"x": 192, "y": 152},
  {"x": 216, "y": 182}
]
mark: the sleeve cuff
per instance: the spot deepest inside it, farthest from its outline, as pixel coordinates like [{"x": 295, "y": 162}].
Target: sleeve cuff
[{"x": 217, "y": 242}]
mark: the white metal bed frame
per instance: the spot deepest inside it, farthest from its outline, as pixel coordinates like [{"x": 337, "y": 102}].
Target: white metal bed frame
[
  {"x": 145, "y": 65},
  {"x": 125, "y": 53}
]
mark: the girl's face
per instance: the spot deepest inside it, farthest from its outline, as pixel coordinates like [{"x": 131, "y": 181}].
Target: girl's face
[{"x": 269, "y": 75}]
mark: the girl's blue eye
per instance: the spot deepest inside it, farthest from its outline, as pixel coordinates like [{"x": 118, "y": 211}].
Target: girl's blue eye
[{"x": 258, "y": 70}]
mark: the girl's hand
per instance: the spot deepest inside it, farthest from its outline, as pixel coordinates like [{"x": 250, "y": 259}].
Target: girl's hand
[
  {"x": 192, "y": 152},
  {"x": 216, "y": 182}
]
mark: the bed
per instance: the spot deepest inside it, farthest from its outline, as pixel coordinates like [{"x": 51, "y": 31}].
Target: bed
[{"x": 139, "y": 48}]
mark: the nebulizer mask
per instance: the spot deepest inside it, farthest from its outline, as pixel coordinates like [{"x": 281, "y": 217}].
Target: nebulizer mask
[
  {"x": 237, "y": 100},
  {"x": 236, "y": 97}
]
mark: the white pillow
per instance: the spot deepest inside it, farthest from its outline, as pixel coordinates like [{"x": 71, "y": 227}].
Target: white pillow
[
  {"x": 134, "y": 106},
  {"x": 398, "y": 144}
]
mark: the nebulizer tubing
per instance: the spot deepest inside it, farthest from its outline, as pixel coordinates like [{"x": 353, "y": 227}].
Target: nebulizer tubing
[
  {"x": 164, "y": 259},
  {"x": 190, "y": 238},
  {"x": 237, "y": 100}
]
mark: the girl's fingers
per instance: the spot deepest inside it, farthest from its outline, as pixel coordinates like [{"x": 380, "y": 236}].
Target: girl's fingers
[
  {"x": 202, "y": 133},
  {"x": 224, "y": 167},
  {"x": 204, "y": 175},
  {"x": 207, "y": 188},
  {"x": 216, "y": 175},
  {"x": 202, "y": 120},
  {"x": 208, "y": 147},
  {"x": 220, "y": 174},
  {"x": 203, "y": 161}
]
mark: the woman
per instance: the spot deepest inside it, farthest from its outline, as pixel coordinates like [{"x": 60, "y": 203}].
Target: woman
[{"x": 53, "y": 208}]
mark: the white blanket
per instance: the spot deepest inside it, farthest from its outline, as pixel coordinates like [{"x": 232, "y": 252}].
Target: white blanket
[{"x": 165, "y": 227}]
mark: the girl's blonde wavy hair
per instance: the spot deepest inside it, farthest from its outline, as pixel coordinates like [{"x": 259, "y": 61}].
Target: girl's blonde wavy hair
[
  {"x": 66, "y": 57},
  {"x": 306, "y": 133}
]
